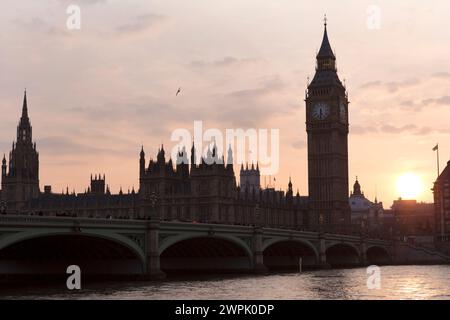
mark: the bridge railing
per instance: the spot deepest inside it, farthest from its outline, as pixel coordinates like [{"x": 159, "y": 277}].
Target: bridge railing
[{"x": 342, "y": 229}]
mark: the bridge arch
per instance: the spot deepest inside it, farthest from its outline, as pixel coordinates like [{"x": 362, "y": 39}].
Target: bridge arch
[
  {"x": 342, "y": 255},
  {"x": 205, "y": 253},
  {"x": 286, "y": 254},
  {"x": 378, "y": 255},
  {"x": 87, "y": 249}
]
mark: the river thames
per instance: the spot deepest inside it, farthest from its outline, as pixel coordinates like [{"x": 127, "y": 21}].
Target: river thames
[{"x": 397, "y": 282}]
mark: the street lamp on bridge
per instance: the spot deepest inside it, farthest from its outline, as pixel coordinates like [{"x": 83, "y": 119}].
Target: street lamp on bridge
[{"x": 153, "y": 199}]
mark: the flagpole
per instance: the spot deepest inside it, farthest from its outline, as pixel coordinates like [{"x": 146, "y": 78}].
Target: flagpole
[{"x": 438, "y": 161}]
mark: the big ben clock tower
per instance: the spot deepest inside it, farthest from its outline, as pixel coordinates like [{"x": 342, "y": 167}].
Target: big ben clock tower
[{"x": 327, "y": 129}]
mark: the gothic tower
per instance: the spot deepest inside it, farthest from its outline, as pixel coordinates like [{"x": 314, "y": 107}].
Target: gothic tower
[
  {"x": 21, "y": 183},
  {"x": 327, "y": 129}
]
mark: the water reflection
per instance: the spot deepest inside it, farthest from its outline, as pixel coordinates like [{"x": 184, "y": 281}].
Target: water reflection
[{"x": 397, "y": 282}]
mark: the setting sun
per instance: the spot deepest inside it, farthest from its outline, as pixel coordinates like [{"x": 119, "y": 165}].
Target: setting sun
[{"x": 409, "y": 186}]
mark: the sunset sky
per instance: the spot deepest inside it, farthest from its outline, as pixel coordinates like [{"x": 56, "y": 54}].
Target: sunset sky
[{"x": 96, "y": 94}]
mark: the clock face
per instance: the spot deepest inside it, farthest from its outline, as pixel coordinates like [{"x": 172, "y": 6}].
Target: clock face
[
  {"x": 342, "y": 112},
  {"x": 321, "y": 111}
]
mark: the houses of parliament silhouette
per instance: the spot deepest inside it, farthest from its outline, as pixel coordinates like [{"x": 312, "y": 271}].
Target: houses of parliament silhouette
[{"x": 184, "y": 190}]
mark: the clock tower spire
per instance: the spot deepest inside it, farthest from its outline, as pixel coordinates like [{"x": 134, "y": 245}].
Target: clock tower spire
[{"x": 327, "y": 129}]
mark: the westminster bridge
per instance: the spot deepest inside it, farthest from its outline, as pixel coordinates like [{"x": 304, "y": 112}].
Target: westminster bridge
[{"x": 152, "y": 248}]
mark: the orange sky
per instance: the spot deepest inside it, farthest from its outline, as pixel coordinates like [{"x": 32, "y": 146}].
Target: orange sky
[{"x": 96, "y": 94}]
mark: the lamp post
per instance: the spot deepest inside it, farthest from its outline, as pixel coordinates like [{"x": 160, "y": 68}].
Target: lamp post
[
  {"x": 362, "y": 226},
  {"x": 153, "y": 198},
  {"x": 153, "y": 255},
  {"x": 321, "y": 222},
  {"x": 2, "y": 207},
  {"x": 257, "y": 216}
]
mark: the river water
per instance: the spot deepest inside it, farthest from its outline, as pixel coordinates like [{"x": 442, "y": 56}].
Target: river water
[{"x": 396, "y": 282}]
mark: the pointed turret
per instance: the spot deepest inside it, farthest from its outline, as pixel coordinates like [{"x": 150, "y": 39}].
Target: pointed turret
[
  {"x": 356, "y": 188},
  {"x": 325, "y": 51},
  {"x": 4, "y": 166},
  {"x": 161, "y": 158},
  {"x": 290, "y": 192},
  {"x": 193, "y": 156},
  {"x": 325, "y": 62},
  {"x": 142, "y": 162},
  {"x": 23, "y": 174},
  {"x": 230, "y": 156},
  {"x": 24, "y": 127},
  {"x": 24, "y": 106}
]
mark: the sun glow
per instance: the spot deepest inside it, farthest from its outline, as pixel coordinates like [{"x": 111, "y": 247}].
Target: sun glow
[{"x": 409, "y": 186}]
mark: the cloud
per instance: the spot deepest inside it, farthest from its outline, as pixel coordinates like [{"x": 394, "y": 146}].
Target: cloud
[
  {"x": 392, "y": 86},
  {"x": 441, "y": 101},
  {"x": 39, "y": 25},
  {"x": 142, "y": 23},
  {"x": 147, "y": 115},
  {"x": 411, "y": 105},
  {"x": 224, "y": 62},
  {"x": 408, "y": 128},
  {"x": 418, "y": 106},
  {"x": 266, "y": 87},
  {"x": 441, "y": 75},
  {"x": 362, "y": 130},
  {"x": 371, "y": 84},
  {"x": 391, "y": 129},
  {"x": 253, "y": 107},
  {"x": 58, "y": 145}
]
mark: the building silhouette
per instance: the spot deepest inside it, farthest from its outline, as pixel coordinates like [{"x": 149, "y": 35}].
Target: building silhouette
[
  {"x": 184, "y": 190},
  {"x": 441, "y": 192},
  {"x": 250, "y": 178},
  {"x": 206, "y": 191},
  {"x": 327, "y": 128},
  {"x": 364, "y": 213},
  {"x": 20, "y": 177}
]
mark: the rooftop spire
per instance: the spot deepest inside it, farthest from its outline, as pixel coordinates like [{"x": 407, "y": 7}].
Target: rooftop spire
[
  {"x": 357, "y": 188},
  {"x": 25, "y": 106},
  {"x": 325, "y": 50},
  {"x": 24, "y": 127}
]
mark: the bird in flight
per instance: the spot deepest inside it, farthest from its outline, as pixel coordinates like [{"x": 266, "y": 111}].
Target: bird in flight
[{"x": 178, "y": 91}]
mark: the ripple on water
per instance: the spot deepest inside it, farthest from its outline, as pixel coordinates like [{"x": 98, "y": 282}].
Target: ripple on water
[{"x": 397, "y": 282}]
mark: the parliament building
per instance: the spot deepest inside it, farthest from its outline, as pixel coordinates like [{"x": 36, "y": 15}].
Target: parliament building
[{"x": 206, "y": 192}]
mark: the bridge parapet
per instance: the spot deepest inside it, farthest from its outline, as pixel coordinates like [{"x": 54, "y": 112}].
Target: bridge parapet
[
  {"x": 150, "y": 239},
  {"x": 27, "y": 221}
]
